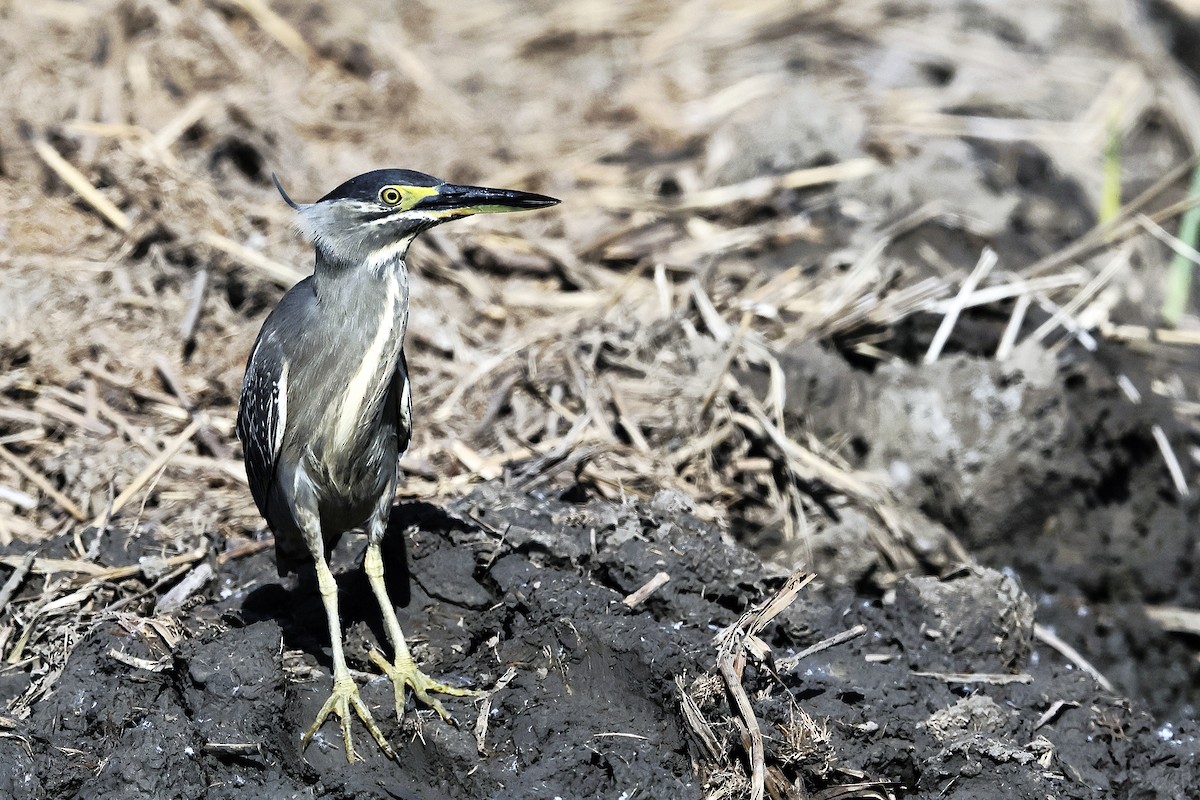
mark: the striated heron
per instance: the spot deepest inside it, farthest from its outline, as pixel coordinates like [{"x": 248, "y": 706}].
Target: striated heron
[{"x": 326, "y": 405}]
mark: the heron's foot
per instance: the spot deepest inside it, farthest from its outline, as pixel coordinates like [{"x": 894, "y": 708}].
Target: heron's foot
[
  {"x": 404, "y": 673},
  {"x": 344, "y": 697}
]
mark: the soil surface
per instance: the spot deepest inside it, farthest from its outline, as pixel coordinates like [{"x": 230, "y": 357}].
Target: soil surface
[
  {"x": 903, "y": 558},
  {"x": 591, "y": 707}
]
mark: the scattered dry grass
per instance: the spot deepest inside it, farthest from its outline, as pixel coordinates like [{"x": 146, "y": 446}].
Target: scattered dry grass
[{"x": 601, "y": 344}]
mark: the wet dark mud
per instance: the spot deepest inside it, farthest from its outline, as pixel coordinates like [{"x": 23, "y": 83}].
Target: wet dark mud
[{"x": 945, "y": 693}]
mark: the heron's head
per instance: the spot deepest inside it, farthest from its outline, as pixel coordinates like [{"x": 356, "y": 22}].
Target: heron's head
[{"x": 372, "y": 218}]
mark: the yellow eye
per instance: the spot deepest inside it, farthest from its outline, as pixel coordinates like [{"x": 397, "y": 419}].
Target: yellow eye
[{"x": 390, "y": 195}]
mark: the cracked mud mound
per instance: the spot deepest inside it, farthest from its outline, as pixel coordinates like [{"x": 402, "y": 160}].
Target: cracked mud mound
[
  {"x": 590, "y": 706},
  {"x": 1040, "y": 465}
]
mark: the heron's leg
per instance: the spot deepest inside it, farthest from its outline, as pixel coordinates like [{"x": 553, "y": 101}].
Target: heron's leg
[
  {"x": 403, "y": 671},
  {"x": 345, "y": 695}
]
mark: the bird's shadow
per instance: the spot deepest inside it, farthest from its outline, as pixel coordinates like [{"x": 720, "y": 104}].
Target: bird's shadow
[{"x": 295, "y": 603}]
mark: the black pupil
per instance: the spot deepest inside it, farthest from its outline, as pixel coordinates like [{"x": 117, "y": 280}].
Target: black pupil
[{"x": 391, "y": 196}]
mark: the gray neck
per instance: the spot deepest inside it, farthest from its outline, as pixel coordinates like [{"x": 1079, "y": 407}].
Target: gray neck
[
  {"x": 358, "y": 290},
  {"x": 366, "y": 307}
]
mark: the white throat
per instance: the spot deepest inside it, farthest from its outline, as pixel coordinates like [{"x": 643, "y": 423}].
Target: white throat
[{"x": 370, "y": 381}]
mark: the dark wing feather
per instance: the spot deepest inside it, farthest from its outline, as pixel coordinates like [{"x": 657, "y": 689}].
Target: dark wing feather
[
  {"x": 402, "y": 391},
  {"x": 258, "y": 417}
]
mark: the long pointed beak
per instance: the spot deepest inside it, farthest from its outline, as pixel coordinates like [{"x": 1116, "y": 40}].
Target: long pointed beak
[{"x": 453, "y": 200}]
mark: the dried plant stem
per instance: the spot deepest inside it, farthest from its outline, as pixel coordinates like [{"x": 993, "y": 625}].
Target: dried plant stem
[
  {"x": 81, "y": 185},
  {"x": 40, "y": 480},
  {"x": 144, "y": 477}
]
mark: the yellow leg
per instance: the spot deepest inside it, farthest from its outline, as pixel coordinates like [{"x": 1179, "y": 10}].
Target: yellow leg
[
  {"x": 345, "y": 694},
  {"x": 403, "y": 671}
]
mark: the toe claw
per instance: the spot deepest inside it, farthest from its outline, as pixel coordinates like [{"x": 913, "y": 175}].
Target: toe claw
[
  {"x": 404, "y": 673},
  {"x": 345, "y": 696},
  {"x": 345, "y": 700}
]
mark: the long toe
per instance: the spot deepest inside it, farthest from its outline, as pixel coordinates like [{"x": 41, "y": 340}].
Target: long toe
[
  {"x": 405, "y": 673},
  {"x": 345, "y": 696}
]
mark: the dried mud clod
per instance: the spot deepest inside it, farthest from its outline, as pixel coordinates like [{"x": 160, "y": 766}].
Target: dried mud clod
[{"x": 961, "y": 638}]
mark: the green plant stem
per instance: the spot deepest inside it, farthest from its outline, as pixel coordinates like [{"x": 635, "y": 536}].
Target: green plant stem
[{"x": 1179, "y": 276}]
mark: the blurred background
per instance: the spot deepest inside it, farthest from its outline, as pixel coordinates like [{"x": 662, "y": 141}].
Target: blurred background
[{"x": 879, "y": 287}]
